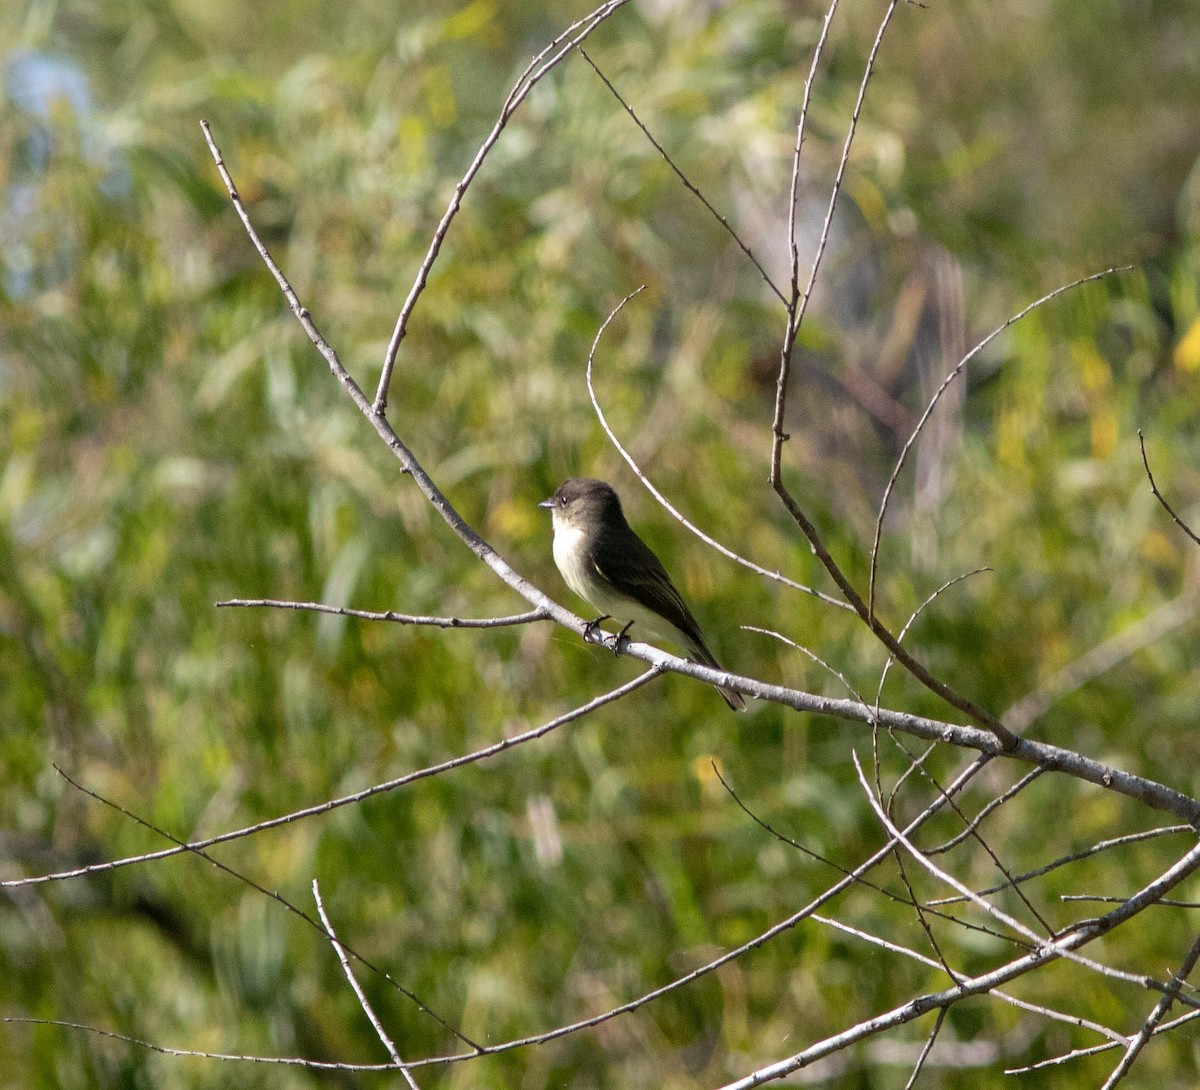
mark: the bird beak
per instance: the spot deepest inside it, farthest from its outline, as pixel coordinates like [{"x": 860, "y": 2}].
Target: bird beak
[{"x": 548, "y": 504}]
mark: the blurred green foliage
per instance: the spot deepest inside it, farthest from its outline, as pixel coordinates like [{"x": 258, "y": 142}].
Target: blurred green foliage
[{"x": 170, "y": 439}]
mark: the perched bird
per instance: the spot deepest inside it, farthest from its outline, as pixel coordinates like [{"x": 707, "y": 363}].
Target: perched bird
[{"x": 608, "y": 565}]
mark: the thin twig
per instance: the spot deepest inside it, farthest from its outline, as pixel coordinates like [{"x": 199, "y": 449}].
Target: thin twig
[
  {"x": 850, "y": 879},
  {"x": 1160, "y": 497},
  {"x": 1095, "y": 1050},
  {"x": 801, "y": 126},
  {"x": 805, "y": 651},
  {"x": 933, "y": 401},
  {"x": 163, "y": 1050},
  {"x": 917, "y": 1008},
  {"x": 662, "y": 500},
  {"x": 798, "y": 303},
  {"x": 933, "y": 1036},
  {"x": 1074, "y": 857},
  {"x": 974, "y": 834},
  {"x": 764, "y": 937},
  {"x": 573, "y": 36},
  {"x": 1008, "y": 742},
  {"x": 687, "y": 183},
  {"x": 389, "y": 615},
  {"x": 912, "y": 620},
  {"x": 1058, "y": 947},
  {"x": 1108, "y": 899},
  {"x": 1114, "y": 1038},
  {"x": 272, "y": 895},
  {"x": 914, "y": 765},
  {"x": 358, "y": 796},
  {"x": 1155, "y": 1017},
  {"x": 1032, "y": 1008},
  {"x": 360, "y": 995},
  {"x": 959, "y": 784},
  {"x": 990, "y": 808}
]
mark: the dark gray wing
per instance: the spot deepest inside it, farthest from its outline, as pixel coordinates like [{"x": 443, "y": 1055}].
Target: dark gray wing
[{"x": 630, "y": 566}]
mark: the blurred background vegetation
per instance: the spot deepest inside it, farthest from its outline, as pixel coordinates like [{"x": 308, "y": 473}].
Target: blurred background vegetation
[{"x": 169, "y": 438}]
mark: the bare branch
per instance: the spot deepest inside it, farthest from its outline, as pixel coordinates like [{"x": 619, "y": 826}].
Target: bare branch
[
  {"x": 1095, "y": 1050},
  {"x": 556, "y": 51},
  {"x": 920, "y": 1064},
  {"x": 1008, "y": 741},
  {"x": 865, "y": 610},
  {"x": 357, "y": 796},
  {"x": 1108, "y": 899},
  {"x": 1033, "y": 1008},
  {"x": 783, "y": 926},
  {"x": 805, "y": 651},
  {"x": 915, "y": 614},
  {"x": 801, "y": 126},
  {"x": 278, "y": 898},
  {"x": 851, "y": 878},
  {"x": 662, "y": 500},
  {"x": 1074, "y": 857},
  {"x": 990, "y": 808},
  {"x": 359, "y": 994},
  {"x": 798, "y": 301},
  {"x": 389, "y": 615},
  {"x": 973, "y": 833},
  {"x": 1060, "y": 947},
  {"x": 959, "y": 784},
  {"x": 1156, "y": 1016},
  {"x": 1159, "y": 496},
  {"x": 917, "y": 1008},
  {"x": 933, "y": 401},
  {"x": 684, "y": 178},
  {"x": 163, "y": 1050}
]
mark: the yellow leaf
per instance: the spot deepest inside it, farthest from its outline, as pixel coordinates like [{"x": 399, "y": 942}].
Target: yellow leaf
[{"x": 1187, "y": 351}]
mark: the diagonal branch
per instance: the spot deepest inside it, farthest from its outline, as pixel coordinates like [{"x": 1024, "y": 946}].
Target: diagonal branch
[
  {"x": 1064, "y": 860},
  {"x": 933, "y": 402},
  {"x": 359, "y": 994},
  {"x": 1159, "y": 496},
  {"x": 271, "y": 895},
  {"x": 687, "y": 183},
  {"x": 346, "y": 800},
  {"x": 556, "y": 52},
  {"x": 1156, "y": 1016},
  {"x": 798, "y": 302},
  {"x": 917, "y": 1008},
  {"x": 682, "y": 519},
  {"x": 1061, "y": 947},
  {"x": 1094, "y": 1050},
  {"x": 801, "y": 126}
]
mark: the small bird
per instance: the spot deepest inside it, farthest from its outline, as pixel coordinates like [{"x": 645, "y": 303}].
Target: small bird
[{"x": 604, "y": 561}]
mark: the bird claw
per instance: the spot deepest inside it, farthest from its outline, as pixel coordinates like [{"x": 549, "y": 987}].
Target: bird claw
[
  {"x": 619, "y": 637},
  {"x": 592, "y": 633},
  {"x": 592, "y": 627}
]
